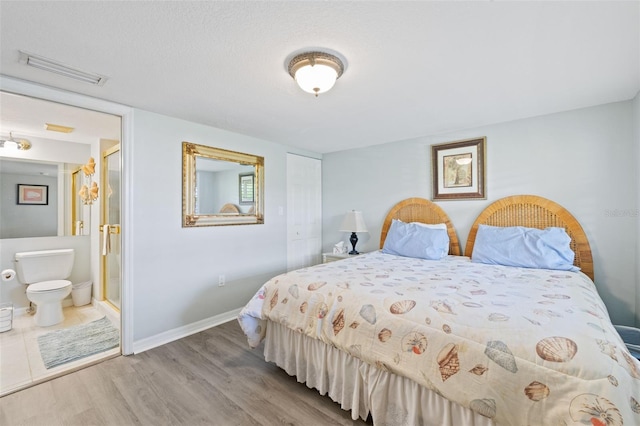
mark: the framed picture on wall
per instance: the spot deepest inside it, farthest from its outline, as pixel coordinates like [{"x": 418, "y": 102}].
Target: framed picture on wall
[
  {"x": 247, "y": 188},
  {"x": 459, "y": 170},
  {"x": 33, "y": 194}
]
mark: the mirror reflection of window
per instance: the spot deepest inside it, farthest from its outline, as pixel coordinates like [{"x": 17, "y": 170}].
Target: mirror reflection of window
[{"x": 247, "y": 188}]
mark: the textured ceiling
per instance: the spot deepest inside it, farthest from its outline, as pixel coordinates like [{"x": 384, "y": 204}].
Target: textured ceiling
[{"x": 412, "y": 68}]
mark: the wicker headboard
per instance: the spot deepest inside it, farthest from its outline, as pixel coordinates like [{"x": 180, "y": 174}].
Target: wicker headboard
[
  {"x": 535, "y": 212},
  {"x": 424, "y": 211},
  {"x": 229, "y": 208}
]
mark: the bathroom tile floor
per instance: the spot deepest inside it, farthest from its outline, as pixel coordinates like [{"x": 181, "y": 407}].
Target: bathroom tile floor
[{"x": 21, "y": 365}]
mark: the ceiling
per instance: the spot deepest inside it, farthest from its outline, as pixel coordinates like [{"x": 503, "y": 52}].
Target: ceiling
[
  {"x": 24, "y": 117},
  {"x": 412, "y": 68}
]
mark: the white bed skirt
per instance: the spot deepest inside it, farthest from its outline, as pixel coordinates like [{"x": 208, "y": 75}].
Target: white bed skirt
[{"x": 361, "y": 388}]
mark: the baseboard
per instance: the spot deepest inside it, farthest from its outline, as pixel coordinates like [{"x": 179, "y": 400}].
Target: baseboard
[
  {"x": 180, "y": 332},
  {"x": 20, "y": 311}
]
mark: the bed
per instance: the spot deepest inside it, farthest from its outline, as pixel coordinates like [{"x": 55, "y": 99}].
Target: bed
[{"x": 451, "y": 341}]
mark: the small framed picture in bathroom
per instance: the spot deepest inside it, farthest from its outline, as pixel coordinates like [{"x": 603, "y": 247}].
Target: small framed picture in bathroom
[{"x": 33, "y": 194}]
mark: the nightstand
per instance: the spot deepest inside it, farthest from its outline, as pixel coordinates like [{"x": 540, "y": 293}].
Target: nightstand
[{"x": 332, "y": 257}]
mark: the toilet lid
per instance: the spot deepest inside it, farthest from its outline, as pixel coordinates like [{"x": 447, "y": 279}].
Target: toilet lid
[{"x": 48, "y": 285}]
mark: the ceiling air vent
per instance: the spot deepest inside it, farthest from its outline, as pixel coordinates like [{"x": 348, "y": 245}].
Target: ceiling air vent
[{"x": 58, "y": 68}]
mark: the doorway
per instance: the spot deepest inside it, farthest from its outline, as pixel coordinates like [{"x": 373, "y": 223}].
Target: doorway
[
  {"x": 24, "y": 110},
  {"x": 125, "y": 134}
]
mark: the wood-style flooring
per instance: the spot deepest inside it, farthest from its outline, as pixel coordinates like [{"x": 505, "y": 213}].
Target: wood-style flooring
[{"x": 209, "y": 378}]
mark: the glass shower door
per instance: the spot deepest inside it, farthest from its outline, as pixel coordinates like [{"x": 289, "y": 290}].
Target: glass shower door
[{"x": 110, "y": 228}]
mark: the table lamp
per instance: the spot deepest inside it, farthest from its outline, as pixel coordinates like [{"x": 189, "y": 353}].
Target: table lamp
[{"x": 353, "y": 222}]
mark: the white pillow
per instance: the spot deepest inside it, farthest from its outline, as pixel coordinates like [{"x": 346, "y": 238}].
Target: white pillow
[{"x": 432, "y": 225}]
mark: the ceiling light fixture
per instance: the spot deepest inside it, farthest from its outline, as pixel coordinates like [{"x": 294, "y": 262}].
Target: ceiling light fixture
[
  {"x": 50, "y": 65},
  {"x": 315, "y": 72},
  {"x": 21, "y": 144}
]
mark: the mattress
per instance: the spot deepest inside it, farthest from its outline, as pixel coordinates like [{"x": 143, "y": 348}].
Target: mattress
[{"x": 515, "y": 345}]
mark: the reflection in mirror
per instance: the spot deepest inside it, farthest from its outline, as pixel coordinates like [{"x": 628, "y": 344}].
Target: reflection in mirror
[
  {"x": 37, "y": 220},
  {"x": 216, "y": 186},
  {"x": 221, "y": 187},
  {"x": 80, "y": 212}
]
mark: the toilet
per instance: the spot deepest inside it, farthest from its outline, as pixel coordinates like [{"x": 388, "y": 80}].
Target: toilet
[{"x": 44, "y": 273}]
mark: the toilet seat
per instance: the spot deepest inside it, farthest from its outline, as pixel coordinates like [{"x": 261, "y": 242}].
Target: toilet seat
[{"x": 47, "y": 286}]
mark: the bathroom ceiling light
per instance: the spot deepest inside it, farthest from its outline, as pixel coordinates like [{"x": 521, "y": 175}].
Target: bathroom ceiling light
[
  {"x": 50, "y": 65},
  {"x": 20, "y": 144},
  {"x": 315, "y": 72},
  {"x": 58, "y": 128}
]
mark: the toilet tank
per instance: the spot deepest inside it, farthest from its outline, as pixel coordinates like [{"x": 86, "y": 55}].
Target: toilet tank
[{"x": 45, "y": 265}]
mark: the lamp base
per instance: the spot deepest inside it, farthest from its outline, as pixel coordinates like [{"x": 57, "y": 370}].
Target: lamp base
[{"x": 354, "y": 240}]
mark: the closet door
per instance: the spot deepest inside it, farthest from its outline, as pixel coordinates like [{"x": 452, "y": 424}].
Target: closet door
[{"x": 304, "y": 211}]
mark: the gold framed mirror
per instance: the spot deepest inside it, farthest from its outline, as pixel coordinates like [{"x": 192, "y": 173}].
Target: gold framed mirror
[{"x": 221, "y": 187}]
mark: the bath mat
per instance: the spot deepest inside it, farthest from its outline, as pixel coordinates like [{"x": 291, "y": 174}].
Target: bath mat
[{"x": 62, "y": 346}]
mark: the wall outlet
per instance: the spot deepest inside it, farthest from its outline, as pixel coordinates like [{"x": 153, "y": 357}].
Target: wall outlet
[{"x": 221, "y": 280}]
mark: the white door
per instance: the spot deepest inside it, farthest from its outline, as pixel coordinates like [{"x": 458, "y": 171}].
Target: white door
[{"x": 304, "y": 211}]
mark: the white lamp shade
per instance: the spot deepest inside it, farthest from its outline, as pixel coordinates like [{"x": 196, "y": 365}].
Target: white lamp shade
[
  {"x": 316, "y": 78},
  {"x": 353, "y": 222}
]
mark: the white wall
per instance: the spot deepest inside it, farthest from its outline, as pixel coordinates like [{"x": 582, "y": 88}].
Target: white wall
[
  {"x": 207, "y": 200},
  {"x": 175, "y": 270},
  {"x": 636, "y": 136},
  {"x": 52, "y": 151},
  {"x": 582, "y": 159},
  {"x": 20, "y": 220}
]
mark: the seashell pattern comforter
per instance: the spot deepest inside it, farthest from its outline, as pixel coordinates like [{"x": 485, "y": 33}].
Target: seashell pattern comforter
[{"x": 521, "y": 346}]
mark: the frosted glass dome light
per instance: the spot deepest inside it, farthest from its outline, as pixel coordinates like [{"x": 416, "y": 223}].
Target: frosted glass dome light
[{"x": 316, "y": 72}]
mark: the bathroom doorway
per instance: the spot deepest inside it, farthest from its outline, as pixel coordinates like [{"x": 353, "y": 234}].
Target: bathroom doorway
[{"x": 24, "y": 111}]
